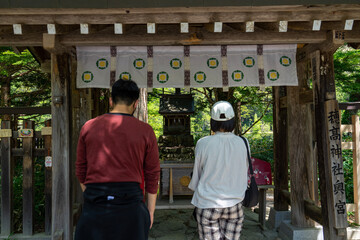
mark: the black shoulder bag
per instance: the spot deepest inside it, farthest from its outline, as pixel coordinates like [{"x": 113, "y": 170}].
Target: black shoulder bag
[{"x": 252, "y": 193}]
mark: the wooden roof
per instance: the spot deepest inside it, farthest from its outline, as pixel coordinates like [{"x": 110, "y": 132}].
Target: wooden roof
[
  {"x": 158, "y": 3},
  {"x": 277, "y": 24}
]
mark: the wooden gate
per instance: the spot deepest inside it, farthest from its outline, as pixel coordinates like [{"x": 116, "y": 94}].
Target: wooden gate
[
  {"x": 27, "y": 144},
  {"x": 354, "y": 145}
]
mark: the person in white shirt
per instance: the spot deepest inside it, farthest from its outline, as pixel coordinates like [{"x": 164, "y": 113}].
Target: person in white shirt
[{"x": 220, "y": 177}]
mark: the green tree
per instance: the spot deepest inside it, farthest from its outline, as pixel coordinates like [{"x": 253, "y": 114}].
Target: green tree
[
  {"x": 22, "y": 82},
  {"x": 347, "y": 77}
]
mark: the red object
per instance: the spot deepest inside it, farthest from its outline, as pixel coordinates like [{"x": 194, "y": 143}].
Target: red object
[
  {"x": 118, "y": 148},
  {"x": 262, "y": 171}
]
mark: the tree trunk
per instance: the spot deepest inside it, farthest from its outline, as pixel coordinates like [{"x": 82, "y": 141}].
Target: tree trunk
[
  {"x": 5, "y": 97},
  {"x": 141, "y": 112}
]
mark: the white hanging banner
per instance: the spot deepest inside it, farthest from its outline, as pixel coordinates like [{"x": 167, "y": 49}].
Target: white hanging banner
[
  {"x": 93, "y": 68},
  {"x": 199, "y": 66},
  {"x": 168, "y": 68},
  {"x": 205, "y": 66},
  {"x": 242, "y": 66},
  {"x": 280, "y": 65},
  {"x": 131, "y": 63}
]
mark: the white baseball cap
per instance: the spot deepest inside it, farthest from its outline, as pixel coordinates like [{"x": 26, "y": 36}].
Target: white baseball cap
[{"x": 222, "y": 111}]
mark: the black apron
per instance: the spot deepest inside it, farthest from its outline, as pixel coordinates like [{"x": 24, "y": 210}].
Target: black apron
[{"x": 113, "y": 211}]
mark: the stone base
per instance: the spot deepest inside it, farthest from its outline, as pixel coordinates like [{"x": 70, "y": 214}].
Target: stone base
[
  {"x": 353, "y": 233},
  {"x": 276, "y": 218},
  {"x": 289, "y": 232}
]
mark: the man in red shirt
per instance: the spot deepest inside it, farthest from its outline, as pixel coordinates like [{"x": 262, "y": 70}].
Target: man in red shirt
[{"x": 114, "y": 152}]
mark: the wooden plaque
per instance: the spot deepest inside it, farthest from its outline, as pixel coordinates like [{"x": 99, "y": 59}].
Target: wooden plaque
[
  {"x": 336, "y": 170},
  {"x": 5, "y": 133},
  {"x": 46, "y": 131}
]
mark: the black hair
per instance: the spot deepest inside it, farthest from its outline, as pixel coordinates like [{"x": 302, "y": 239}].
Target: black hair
[
  {"x": 227, "y": 126},
  {"x": 125, "y": 92}
]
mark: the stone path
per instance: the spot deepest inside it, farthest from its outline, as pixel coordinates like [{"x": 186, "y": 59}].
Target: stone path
[{"x": 180, "y": 225}]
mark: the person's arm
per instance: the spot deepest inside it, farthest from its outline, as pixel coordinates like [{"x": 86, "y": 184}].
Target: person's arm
[
  {"x": 81, "y": 162},
  {"x": 151, "y": 197},
  {"x": 196, "y": 173},
  {"x": 151, "y": 173}
]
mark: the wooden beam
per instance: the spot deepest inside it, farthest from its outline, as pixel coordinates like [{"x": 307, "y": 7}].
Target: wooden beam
[
  {"x": 51, "y": 43},
  {"x": 25, "y": 110},
  {"x": 177, "y": 15},
  {"x": 349, "y": 105}
]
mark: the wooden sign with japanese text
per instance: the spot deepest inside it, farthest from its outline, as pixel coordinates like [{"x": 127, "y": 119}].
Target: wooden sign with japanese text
[{"x": 335, "y": 157}]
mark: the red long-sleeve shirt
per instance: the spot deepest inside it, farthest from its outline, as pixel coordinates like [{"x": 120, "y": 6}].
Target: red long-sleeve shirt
[{"x": 118, "y": 148}]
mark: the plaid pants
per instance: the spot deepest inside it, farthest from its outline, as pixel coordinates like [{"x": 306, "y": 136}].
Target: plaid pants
[{"x": 220, "y": 223}]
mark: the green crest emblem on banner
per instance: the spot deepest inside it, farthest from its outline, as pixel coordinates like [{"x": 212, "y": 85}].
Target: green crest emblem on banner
[
  {"x": 175, "y": 63},
  {"x": 237, "y": 75},
  {"x": 87, "y": 76},
  {"x": 249, "y": 62},
  {"x": 139, "y": 63},
  {"x": 285, "y": 61},
  {"x": 162, "y": 77},
  {"x": 273, "y": 75},
  {"x": 200, "y": 77},
  {"x": 102, "y": 63},
  {"x": 212, "y": 63},
  {"x": 125, "y": 76}
]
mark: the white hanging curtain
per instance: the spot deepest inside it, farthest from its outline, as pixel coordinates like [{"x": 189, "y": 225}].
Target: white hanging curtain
[{"x": 188, "y": 66}]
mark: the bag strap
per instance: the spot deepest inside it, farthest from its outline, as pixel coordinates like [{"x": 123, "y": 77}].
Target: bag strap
[{"x": 248, "y": 155}]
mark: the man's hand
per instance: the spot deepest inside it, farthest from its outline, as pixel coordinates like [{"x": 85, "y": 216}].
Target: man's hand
[
  {"x": 151, "y": 206},
  {"x": 83, "y": 187}
]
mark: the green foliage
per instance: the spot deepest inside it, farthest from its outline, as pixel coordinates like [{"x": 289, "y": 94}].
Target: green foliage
[{"x": 348, "y": 175}]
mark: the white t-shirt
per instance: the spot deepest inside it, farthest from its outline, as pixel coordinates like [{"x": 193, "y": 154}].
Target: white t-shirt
[{"x": 220, "y": 171}]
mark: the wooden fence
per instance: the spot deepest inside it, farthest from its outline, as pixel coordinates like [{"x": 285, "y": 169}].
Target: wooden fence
[
  {"x": 354, "y": 128},
  {"x": 28, "y": 144}
]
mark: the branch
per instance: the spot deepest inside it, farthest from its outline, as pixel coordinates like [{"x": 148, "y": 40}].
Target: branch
[
  {"x": 258, "y": 119},
  {"x": 28, "y": 93},
  {"x": 206, "y": 95}
]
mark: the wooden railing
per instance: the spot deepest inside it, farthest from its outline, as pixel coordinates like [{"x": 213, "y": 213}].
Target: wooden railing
[
  {"x": 354, "y": 145},
  {"x": 28, "y": 144}
]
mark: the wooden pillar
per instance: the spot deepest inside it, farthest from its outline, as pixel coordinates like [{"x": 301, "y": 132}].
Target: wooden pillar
[
  {"x": 280, "y": 150},
  {"x": 48, "y": 177},
  {"x": 61, "y": 181},
  {"x": 356, "y": 165},
  {"x": 296, "y": 150},
  {"x": 28, "y": 181},
  {"x": 7, "y": 173},
  {"x": 324, "y": 88},
  {"x": 77, "y": 123}
]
